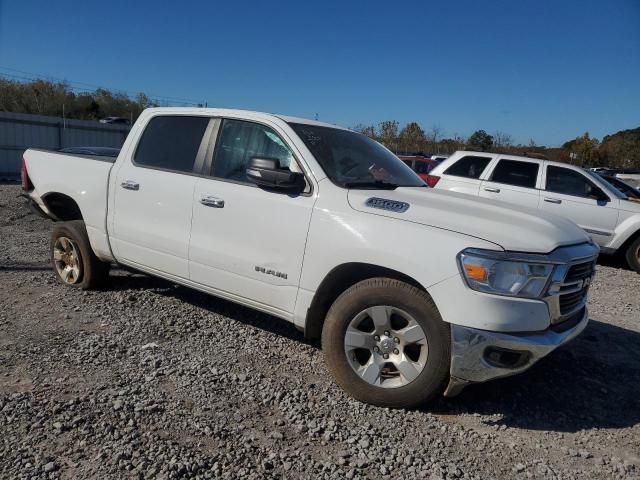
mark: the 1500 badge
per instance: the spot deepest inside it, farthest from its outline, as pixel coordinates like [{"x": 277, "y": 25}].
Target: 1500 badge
[{"x": 269, "y": 271}]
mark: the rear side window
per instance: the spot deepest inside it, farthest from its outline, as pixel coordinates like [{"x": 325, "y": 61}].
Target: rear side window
[
  {"x": 513, "y": 172},
  {"x": 171, "y": 142},
  {"x": 468, "y": 167}
]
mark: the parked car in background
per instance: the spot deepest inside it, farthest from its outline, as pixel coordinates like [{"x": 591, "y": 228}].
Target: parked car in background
[
  {"x": 603, "y": 170},
  {"x": 230, "y": 202},
  {"x": 419, "y": 164},
  {"x": 580, "y": 195},
  {"x": 98, "y": 151},
  {"x": 631, "y": 192},
  {"x": 116, "y": 120},
  {"x": 632, "y": 177}
]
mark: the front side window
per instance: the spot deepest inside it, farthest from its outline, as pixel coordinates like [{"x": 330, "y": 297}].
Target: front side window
[
  {"x": 570, "y": 182},
  {"x": 353, "y": 160},
  {"x": 171, "y": 143},
  {"x": 468, "y": 167},
  {"x": 239, "y": 142},
  {"x": 513, "y": 172}
]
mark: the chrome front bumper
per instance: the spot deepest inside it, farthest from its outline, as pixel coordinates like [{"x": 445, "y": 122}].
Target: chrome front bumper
[{"x": 479, "y": 355}]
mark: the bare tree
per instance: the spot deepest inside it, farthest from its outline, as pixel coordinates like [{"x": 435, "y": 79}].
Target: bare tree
[
  {"x": 388, "y": 131},
  {"x": 434, "y": 136},
  {"x": 368, "y": 130},
  {"x": 502, "y": 140}
]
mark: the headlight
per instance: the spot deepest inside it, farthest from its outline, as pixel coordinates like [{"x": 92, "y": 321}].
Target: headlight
[{"x": 494, "y": 272}]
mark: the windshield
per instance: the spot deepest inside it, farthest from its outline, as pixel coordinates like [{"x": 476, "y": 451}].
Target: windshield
[
  {"x": 611, "y": 188},
  {"x": 353, "y": 160},
  {"x": 622, "y": 187}
]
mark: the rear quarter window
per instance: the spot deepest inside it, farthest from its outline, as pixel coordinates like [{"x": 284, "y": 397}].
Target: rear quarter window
[{"x": 468, "y": 167}]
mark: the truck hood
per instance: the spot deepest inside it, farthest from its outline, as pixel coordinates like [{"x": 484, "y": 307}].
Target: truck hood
[{"x": 512, "y": 227}]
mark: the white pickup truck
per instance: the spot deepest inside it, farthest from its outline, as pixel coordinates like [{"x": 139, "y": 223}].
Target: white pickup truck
[
  {"x": 601, "y": 209},
  {"x": 413, "y": 291}
]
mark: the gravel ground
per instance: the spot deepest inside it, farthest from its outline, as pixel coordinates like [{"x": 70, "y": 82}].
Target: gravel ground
[{"x": 148, "y": 379}]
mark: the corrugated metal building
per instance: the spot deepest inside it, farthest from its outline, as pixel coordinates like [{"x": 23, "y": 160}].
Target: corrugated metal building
[{"x": 19, "y": 131}]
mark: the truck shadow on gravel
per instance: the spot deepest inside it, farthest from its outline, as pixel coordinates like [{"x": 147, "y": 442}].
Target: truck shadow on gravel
[
  {"x": 592, "y": 382},
  {"x": 233, "y": 311}
]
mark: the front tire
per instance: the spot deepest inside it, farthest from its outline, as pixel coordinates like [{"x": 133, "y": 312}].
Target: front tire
[
  {"x": 385, "y": 343},
  {"x": 633, "y": 255},
  {"x": 72, "y": 258}
]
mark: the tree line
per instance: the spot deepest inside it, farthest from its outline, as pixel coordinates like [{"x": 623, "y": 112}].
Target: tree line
[
  {"x": 619, "y": 150},
  {"x": 41, "y": 97}
]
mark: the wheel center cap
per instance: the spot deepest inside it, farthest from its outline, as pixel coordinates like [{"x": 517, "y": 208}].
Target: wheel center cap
[{"x": 387, "y": 345}]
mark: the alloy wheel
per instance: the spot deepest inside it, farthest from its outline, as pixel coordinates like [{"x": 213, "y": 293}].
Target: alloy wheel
[
  {"x": 386, "y": 347},
  {"x": 67, "y": 261}
]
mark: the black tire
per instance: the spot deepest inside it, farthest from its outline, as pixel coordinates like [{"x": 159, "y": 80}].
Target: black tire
[
  {"x": 92, "y": 272},
  {"x": 633, "y": 255},
  {"x": 374, "y": 292}
]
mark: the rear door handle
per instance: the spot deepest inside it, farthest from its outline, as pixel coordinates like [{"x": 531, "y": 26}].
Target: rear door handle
[
  {"x": 492, "y": 189},
  {"x": 130, "y": 185},
  {"x": 552, "y": 200},
  {"x": 211, "y": 201}
]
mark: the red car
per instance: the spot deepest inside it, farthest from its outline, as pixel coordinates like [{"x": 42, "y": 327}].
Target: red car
[{"x": 421, "y": 165}]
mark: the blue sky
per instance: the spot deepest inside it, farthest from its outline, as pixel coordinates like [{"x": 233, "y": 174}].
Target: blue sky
[{"x": 542, "y": 70}]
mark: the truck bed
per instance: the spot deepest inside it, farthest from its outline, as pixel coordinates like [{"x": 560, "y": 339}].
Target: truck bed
[{"x": 82, "y": 178}]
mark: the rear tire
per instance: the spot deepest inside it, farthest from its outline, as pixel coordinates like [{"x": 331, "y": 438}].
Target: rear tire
[
  {"x": 633, "y": 255},
  {"x": 386, "y": 344},
  {"x": 72, "y": 258}
]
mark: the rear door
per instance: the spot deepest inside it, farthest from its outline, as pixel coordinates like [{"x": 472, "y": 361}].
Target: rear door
[
  {"x": 513, "y": 181},
  {"x": 572, "y": 194},
  {"x": 154, "y": 195},
  {"x": 465, "y": 174},
  {"x": 248, "y": 242}
]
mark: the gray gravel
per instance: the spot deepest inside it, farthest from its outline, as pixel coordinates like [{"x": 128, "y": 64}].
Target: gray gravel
[{"x": 148, "y": 379}]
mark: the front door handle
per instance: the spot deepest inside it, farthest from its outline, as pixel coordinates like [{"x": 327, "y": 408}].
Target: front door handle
[
  {"x": 211, "y": 201},
  {"x": 492, "y": 189},
  {"x": 130, "y": 185},
  {"x": 552, "y": 200}
]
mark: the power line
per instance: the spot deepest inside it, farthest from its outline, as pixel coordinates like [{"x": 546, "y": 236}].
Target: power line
[{"x": 82, "y": 87}]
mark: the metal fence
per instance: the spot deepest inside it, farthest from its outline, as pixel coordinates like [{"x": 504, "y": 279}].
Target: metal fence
[{"x": 19, "y": 131}]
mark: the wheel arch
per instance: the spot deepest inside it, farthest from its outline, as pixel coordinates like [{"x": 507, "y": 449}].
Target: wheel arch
[
  {"x": 62, "y": 207},
  {"x": 632, "y": 238},
  {"x": 339, "y": 279}
]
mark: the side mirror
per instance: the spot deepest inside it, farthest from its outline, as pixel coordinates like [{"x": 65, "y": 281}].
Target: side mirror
[
  {"x": 266, "y": 172},
  {"x": 599, "y": 196}
]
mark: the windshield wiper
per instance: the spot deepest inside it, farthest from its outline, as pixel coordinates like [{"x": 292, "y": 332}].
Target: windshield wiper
[{"x": 374, "y": 185}]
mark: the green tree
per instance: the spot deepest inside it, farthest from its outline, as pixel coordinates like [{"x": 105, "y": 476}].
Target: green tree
[
  {"x": 621, "y": 149},
  {"x": 585, "y": 150},
  {"x": 480, "y": 141},
  {"x": 412, "y": 138}
]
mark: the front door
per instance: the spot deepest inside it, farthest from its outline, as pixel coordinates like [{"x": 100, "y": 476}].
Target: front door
[
  {"x": 248, "y": 242},
  {"x": 153, "y": 193},
  {"x": 571, "y": 194}
]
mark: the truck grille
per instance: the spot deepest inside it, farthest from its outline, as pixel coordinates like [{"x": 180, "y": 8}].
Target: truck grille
[{"x": 573, "y": 292}]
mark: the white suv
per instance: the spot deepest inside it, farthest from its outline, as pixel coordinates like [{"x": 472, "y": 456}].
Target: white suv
[{"x": 580, "y": 195}]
